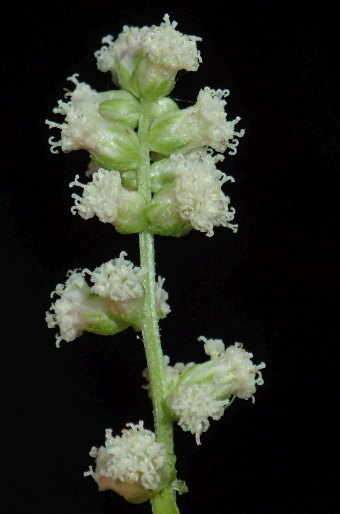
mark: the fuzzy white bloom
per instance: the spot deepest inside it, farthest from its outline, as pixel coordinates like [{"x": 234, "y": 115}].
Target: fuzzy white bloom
[
  {"x": 162, "y": 297},
  {"x": 202, "y": 391},
  {"x": 198, "y": 192},
  {"x": 195, "y": 404},
  {"x": 81, "y": 117},
  {"x": 210, "y": 121},
  {"x": 123, "y": 49},
  {"x": 162, "y": 44},
  {"x": 69, "y": 308},
  {"x": 171, "y": 48},
  {"x": 234, "y": 365},
  {"x": 133, "y": 458},
  {"x": 100, "y": 196},
  {"x": 118, "y": 279}
]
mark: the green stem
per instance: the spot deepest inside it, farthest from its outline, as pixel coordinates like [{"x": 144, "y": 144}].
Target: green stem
[{"x": 163, "y": 503}]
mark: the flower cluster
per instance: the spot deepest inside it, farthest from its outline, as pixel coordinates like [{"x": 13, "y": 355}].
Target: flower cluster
[
  {"x": 203, "y": 124},
  {"x": 106, "y": 198},
  {"x": 185, "y": 183},
  {"x": 134, "y": 464},
  {"x": 202, "y": 391},
  {"x": 113, "y": 303},
  {"x": 113, "y": 145},
  {"x": 145, "y": 60},
  {"x": 193, "y": 199},
  {"x": 153, "y": 170}
]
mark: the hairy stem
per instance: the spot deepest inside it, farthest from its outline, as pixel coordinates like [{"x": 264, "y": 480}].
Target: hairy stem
[{"x": 163, "y": 503}]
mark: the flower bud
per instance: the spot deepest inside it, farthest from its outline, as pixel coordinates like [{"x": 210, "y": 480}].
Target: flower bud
[
  {"x": 162, "y": 173},
  {"x": 129, "y": 180},
  {"x": 105, "y": 197},
  {"x": 163, "y": 106},
  {"x": 203, "y": 124},
  {"x": 204, "y": 390},
  {"x": 111, "y": 145},
  {"x": 194, "y": 199},
  {"x": 163, "y": 214},
  {"x": 133, "y": 465},
  {"x": 120, "y": 107}
]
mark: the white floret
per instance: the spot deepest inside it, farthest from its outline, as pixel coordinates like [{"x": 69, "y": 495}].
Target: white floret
[
  {"x": 171, "y": 48},
  {"x": 162, "y": 297},
  {"x": 81, "y": 116},
  {"x": 134, "y": 457},
  {"x": 234, "y": 365},
  {"x": 100, "y": 196},
  {"x": 198, "y": 191},
  {"x": 69, "y": 307},
  {"x": 123, "y": 49},
  {"x": 118, "y": 279},
  {"x": 194, "y": 405},
  {"x": 211, "y": 121}
]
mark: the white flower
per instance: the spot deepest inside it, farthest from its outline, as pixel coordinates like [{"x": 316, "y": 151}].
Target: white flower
[
  {"x": 195, "y": 404},
  {"x": 162, "y": 44},
  {"x": 118, "y": 279},
  {"x": 111, "y": 305},
  {"x": 209, "y": 121},
  {"x": 203, "y": 124},
  {"x": 123, "y": 50},
  {"x": 121, "y": 281},
  {"x": 171, "y": 48},
  {"x": 233, "y": 366},
  {"x": 111, "y": 145},
  {"x": 81, "y": 117},
  {"x": 100, "y": 196},
  {"x": 133, "y": 458},
  {"x": 198, "y": 192},
  {"x": 202, "y": 391},
  {"x": 69, "y": 308}
]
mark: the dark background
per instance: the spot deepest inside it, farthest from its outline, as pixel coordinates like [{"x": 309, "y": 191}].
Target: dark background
[{"x": 271, "y": 286}]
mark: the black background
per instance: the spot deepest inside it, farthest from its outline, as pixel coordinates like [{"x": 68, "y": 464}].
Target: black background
[{"x": 271, "y": 286}]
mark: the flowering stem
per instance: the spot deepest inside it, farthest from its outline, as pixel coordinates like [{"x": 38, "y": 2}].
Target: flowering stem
[{"x": 164, "y": 502}]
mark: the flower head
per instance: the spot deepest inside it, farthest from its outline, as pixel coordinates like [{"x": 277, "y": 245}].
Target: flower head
[
  {"x": 198, "y": 192},
  {"x": 194, "y": 199},
  {"x": 112, "y": 304},
  {"x": 106, "y": 198},
  {"x": 204, "y": 390},
  {"x": 112, "y": 145},
  {"x": 145, "y": 60},
  {"x": 69, "y": 308},
  {"x": 118, "y": 279},
  {"x": 195, "y": 405},
  {"x": 170, "y": 48},
  {"x": 134, "y": 459},
  {"x": 203, "y": 124}
]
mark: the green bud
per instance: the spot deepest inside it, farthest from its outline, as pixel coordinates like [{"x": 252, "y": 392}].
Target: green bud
[
  {"x": 161, "y": 174},
  {"x": 129, "y": 180},
  {"x": 114, "y": 147},
  {"x": 120, "y": 107},
  {"x": 151, "y": 80},
  {"x": 169, "y": 133},
  {"x": 131, "y": 217},
  {"x": 163, "y": 106},
  {"x": 163, "y": 215}
]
